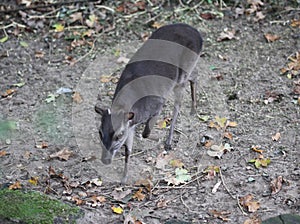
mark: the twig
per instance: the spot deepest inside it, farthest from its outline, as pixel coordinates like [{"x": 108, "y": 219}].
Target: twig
[
  {"x": 185, "y": 205},
  {"x": 13, "y": 24},
  {"x": 225, "y": 186},
  {"x": 134, "y": 154},
  {"x": 240, "y": 207},
  {"x": 105, "y": 7},
  {"x": 88, "y": 53},
  {"x": 23, "y": 8}
]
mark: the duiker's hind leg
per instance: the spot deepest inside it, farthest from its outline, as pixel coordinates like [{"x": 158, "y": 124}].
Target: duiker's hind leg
[
  {"x": 128, "y": 149},
  {"x": 177, "y": 104},
  {"x": 193, "y": 85}
]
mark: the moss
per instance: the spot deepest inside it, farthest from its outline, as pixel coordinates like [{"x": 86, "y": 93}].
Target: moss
[{"x": 33, "y": 207}]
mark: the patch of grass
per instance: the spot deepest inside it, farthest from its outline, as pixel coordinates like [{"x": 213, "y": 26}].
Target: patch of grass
[
  {"x": 33, "y": 207},
  {"x": 6, "y": 128}
]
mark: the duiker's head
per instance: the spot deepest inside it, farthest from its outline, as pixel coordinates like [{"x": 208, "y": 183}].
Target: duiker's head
[{"x": 113, "y": 131}]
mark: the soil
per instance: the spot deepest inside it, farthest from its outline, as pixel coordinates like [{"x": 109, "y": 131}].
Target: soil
[{"x": 239, "y": 79}]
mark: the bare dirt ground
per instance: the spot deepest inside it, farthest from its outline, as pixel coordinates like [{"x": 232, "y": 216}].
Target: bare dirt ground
[{"x": 239, "y": 78}]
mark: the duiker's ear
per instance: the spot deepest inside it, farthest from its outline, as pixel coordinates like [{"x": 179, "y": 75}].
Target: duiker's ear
[
  {"x": 130, "y": 115},
  {"x": 99, "y": 110}
]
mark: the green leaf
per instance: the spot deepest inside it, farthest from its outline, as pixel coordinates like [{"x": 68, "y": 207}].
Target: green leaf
[
  {"x": 23, "y": 44},
  {"x": 252, "y": 161},
  {"x": 203, "y": 118},
  {"x": 257, "y": 163},
  {"x": 58, "y": 27},
  {"x": 20, "y": 84},
  {"x": 181, "y": 175},
  {"x": 51, "y": 98},
  {"x": 3, "y": 39}
]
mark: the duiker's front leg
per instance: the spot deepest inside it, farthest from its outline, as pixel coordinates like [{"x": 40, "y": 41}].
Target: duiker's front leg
[
  {"x": 177, "y": 104},
  {"x": 193, "y": 85},
  {"x": 128, "y": 149},
  {"x": 149, "y": 125},
  {"x": 193, "y": 95}
]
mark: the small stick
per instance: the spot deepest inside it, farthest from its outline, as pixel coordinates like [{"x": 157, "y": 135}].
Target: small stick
[{"x": 225, "y": 186}]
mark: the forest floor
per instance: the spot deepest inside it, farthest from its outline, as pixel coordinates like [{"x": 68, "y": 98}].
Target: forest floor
[{"x": 240, "y": 152}]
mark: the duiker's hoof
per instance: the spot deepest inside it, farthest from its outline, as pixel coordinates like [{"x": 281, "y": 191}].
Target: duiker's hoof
[
  {"x": 168, "y": 147},
  {"x": 124, "y": 180}
]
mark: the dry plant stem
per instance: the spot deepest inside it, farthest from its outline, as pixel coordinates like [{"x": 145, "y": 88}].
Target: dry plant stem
[
  {"x": 225, "y": 186},
  {"x": 23, "y": 8},
  {"x": 88, "y": 53},
  {"x": 240, "y": 207},
  {"x": 185, "y": 205}
]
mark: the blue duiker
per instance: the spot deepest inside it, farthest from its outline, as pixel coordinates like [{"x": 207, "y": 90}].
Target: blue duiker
[{"x": 162, "y": 66}]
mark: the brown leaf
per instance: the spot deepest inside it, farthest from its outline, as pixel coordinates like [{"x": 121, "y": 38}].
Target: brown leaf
[
  {"x": 256, "y": 149},
  {"x": 253, "y": 220},
  {"x": 139, "y": 195},
  {"x": 162, "y": 203},
  {"x": 207, "y": 16},
  {"x": 14, "y": 186},
  {"x": 276, "y": 185},
  {"x": 276, "y": 137},
  {"x": 253, "y": 206},
  {"x": 8, "y": 92},
  {"x": 176, "y": 163},
  {"x": 119, "y": 194},
  {"x": 259, "y": 16},
  {"x": 226, "y": 35},
  {"x": 42, "y": 145},
  {"x": 295, "y": 23},
  {"x": 63, "y": 154},
  {"x": 271, "y": 38},
  {"x": 39, "y": 54},
  {"x": 77, "y": 98},
  {"x": 157, "y": 25},
  {"x": 228, "y": 135},
  {"x": 78, "y": 201},
  {"x": 162, "y": 160},
  {"x": 248, "y": 203},
  {"x": 223, "y": 215},
  {"x": 77, "y": 16},
  {"x": 3, "y": 153},
  {"x": 147, "y": 183}
]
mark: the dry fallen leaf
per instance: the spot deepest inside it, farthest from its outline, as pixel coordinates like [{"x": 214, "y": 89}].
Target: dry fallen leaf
[
  {"x": 3, "y": 153},
  {"x": 248, "y": 203},
  {"x": 271, "y": 38},
  {"x": 276, "y": 185},
  {"x": 253, "y": 220},
  {"x": 77, "y": 98},
  {"x": 139, "y": 195},
  {"x": 77, "y": 200},
  {"x": 119, "y": 194},
  {"x": 223, "y": 215},
  {"x": 8, "y": 92},
  {"x": 147, "y": 183},
  {"x": 42, "y": 145},
  {"x": 176, "y": 163},
  {"x": 295, "y": 23},
  {"x": 215, "y": 188},
  {"x": 14, "y": 186},
  {"x": 162, "y": 203},
  {"x": 162, "y": 160},
  {"x": 276, "y": 137},
  {"x": 63, "y": 154},
  {"x": 256, "y": 149},
  {"x": 226, "y": 35},
  {"x": 123, "y": 60}
]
